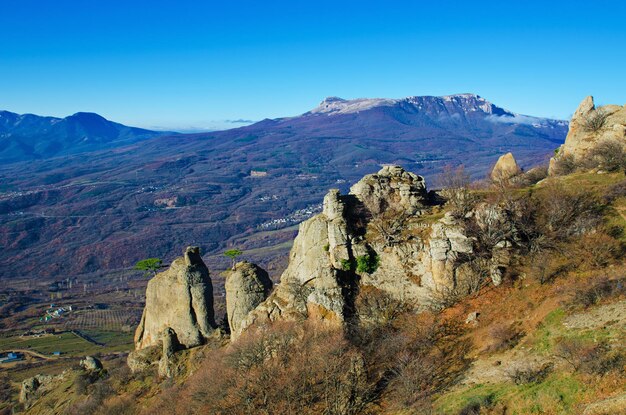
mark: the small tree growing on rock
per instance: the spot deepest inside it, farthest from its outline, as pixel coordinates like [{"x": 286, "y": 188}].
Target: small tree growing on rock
[
  {"x": 233, "y": 254},
  {"x": 149, "y": 265}
]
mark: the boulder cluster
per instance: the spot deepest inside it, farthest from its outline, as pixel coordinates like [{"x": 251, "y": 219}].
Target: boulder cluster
[{"x": 378, "y": 244}]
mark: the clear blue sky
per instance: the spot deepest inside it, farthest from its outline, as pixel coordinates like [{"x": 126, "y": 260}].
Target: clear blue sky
[{"x": 179, "y": 64}]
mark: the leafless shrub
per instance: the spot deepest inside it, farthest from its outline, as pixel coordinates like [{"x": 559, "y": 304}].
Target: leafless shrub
[
  {"x": 576, "y": 352},
  {"x": 595, "y": 120},
  {"x": 615, "y": 192},
  {"x": 374, "y": 305},
  {"x": 532, "y": 176},
  {"x": 566, "y": 213},
  {"x": 588, "y": 357},
  {"x": 490, "y": 225},
  {"x": 505, "y": 336},
  {"x": 601, "y": 290},
  {"x": 428, "y": 362},
  {"x": 455, "y": 184},
  {"x": 388, "y": 226},
  {"x": 283, "y": 369},
  {"x": 524, "y": 375},
  {"x": 476, "y": 406},
  {"x": 564, "y": 164},
  {"x": 598, "y": 249},
  {"x": 548, "y": 265},
  {"x": 608, "y": 155},
  {"x": 473, "y": 272},
  {"x": 442, "y": 297}
]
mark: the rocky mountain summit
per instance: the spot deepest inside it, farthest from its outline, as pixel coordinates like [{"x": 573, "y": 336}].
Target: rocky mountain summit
[
  {"x": 31, "y": 137},
  {"x": 590, "y": 127}
]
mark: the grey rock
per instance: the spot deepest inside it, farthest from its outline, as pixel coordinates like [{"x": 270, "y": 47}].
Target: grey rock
[
  {"x": 143, "y": 359},
  {"x": 505, "y": 168},
  {"x": 91, "y": 363},
  {"x": 180, "y": 298},
  {"x": 246, "y": 287}
]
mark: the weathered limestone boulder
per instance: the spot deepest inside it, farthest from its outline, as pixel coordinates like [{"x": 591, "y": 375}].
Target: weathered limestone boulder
[
  {"x": 91, "y": 363},
  {"x": 143, "y": 359},
  {"x": 391, "y": 187},
  {"x": 33, "y": 388},
  {"x": 29, "y": 388},
  {"x": 167, "y": 363},
  {"x": 246, "y": 287},
  {"x": 582, "y": 139},
  {"x": 178, "y": 314},
  {"x": 374, "y": 242},
  {"x": 505, "y": 168},
  {"x": 180, "y": 298},
  {"x": 446, "y": 243}
]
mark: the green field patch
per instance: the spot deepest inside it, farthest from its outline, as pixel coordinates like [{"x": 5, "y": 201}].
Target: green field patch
[
  {"x": 69, "y": 344},
  {"x": 559, "y": 393},
  {"x": 66, "y": 343}
]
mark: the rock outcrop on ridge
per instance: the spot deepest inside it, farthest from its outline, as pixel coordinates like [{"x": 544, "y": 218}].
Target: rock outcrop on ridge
[
  {"x": 589, "y": 127},
  {"x": 246, "y": 287},
  {"x": 505, "y": 168},
  {"x": 180, "y": 299},
  {"x": 379, "y": 240}
]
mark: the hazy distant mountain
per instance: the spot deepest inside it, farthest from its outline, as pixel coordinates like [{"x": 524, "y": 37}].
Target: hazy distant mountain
[
  {"x": 28, "y": 136},
  {"x": 242, "y": 187},
  {"x": 422, "y": 133}
]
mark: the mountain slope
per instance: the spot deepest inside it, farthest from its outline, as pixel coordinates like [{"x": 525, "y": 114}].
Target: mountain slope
[
  {"x": 106, "y": 209},
  {"x": 28, "y": 136}
]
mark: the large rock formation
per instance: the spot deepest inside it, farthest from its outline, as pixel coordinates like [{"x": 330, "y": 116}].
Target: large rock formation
[
  {"x": 180, "y": 299},
  {"x": 505, "y": 168},
  {"x": 246, "y": 287},
  {"x": 589, "y": 127},
  {"x": 377, "y": 240}
]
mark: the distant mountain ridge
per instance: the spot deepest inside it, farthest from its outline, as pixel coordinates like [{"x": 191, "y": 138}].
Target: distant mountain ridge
[
  {"x": 28, "y": 136},
  {"x": 456, "y": 106},
  {"x": 112, "y": 208}
]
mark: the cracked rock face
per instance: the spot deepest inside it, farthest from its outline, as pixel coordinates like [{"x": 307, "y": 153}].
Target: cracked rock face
[
  {"x": 246, "y": 287},
  {"x": 180, "y": 298},
  {"x": 581, "y": 140}
]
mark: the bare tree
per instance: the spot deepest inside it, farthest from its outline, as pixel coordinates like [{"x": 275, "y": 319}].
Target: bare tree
[
  {"x": 608, "y": 155},
  {"x": 595, "y": 120},
  {"x": 455, "y": 184}
]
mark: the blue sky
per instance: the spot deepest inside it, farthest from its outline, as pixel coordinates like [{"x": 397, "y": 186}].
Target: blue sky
[{"x": 183, "y": 64}]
